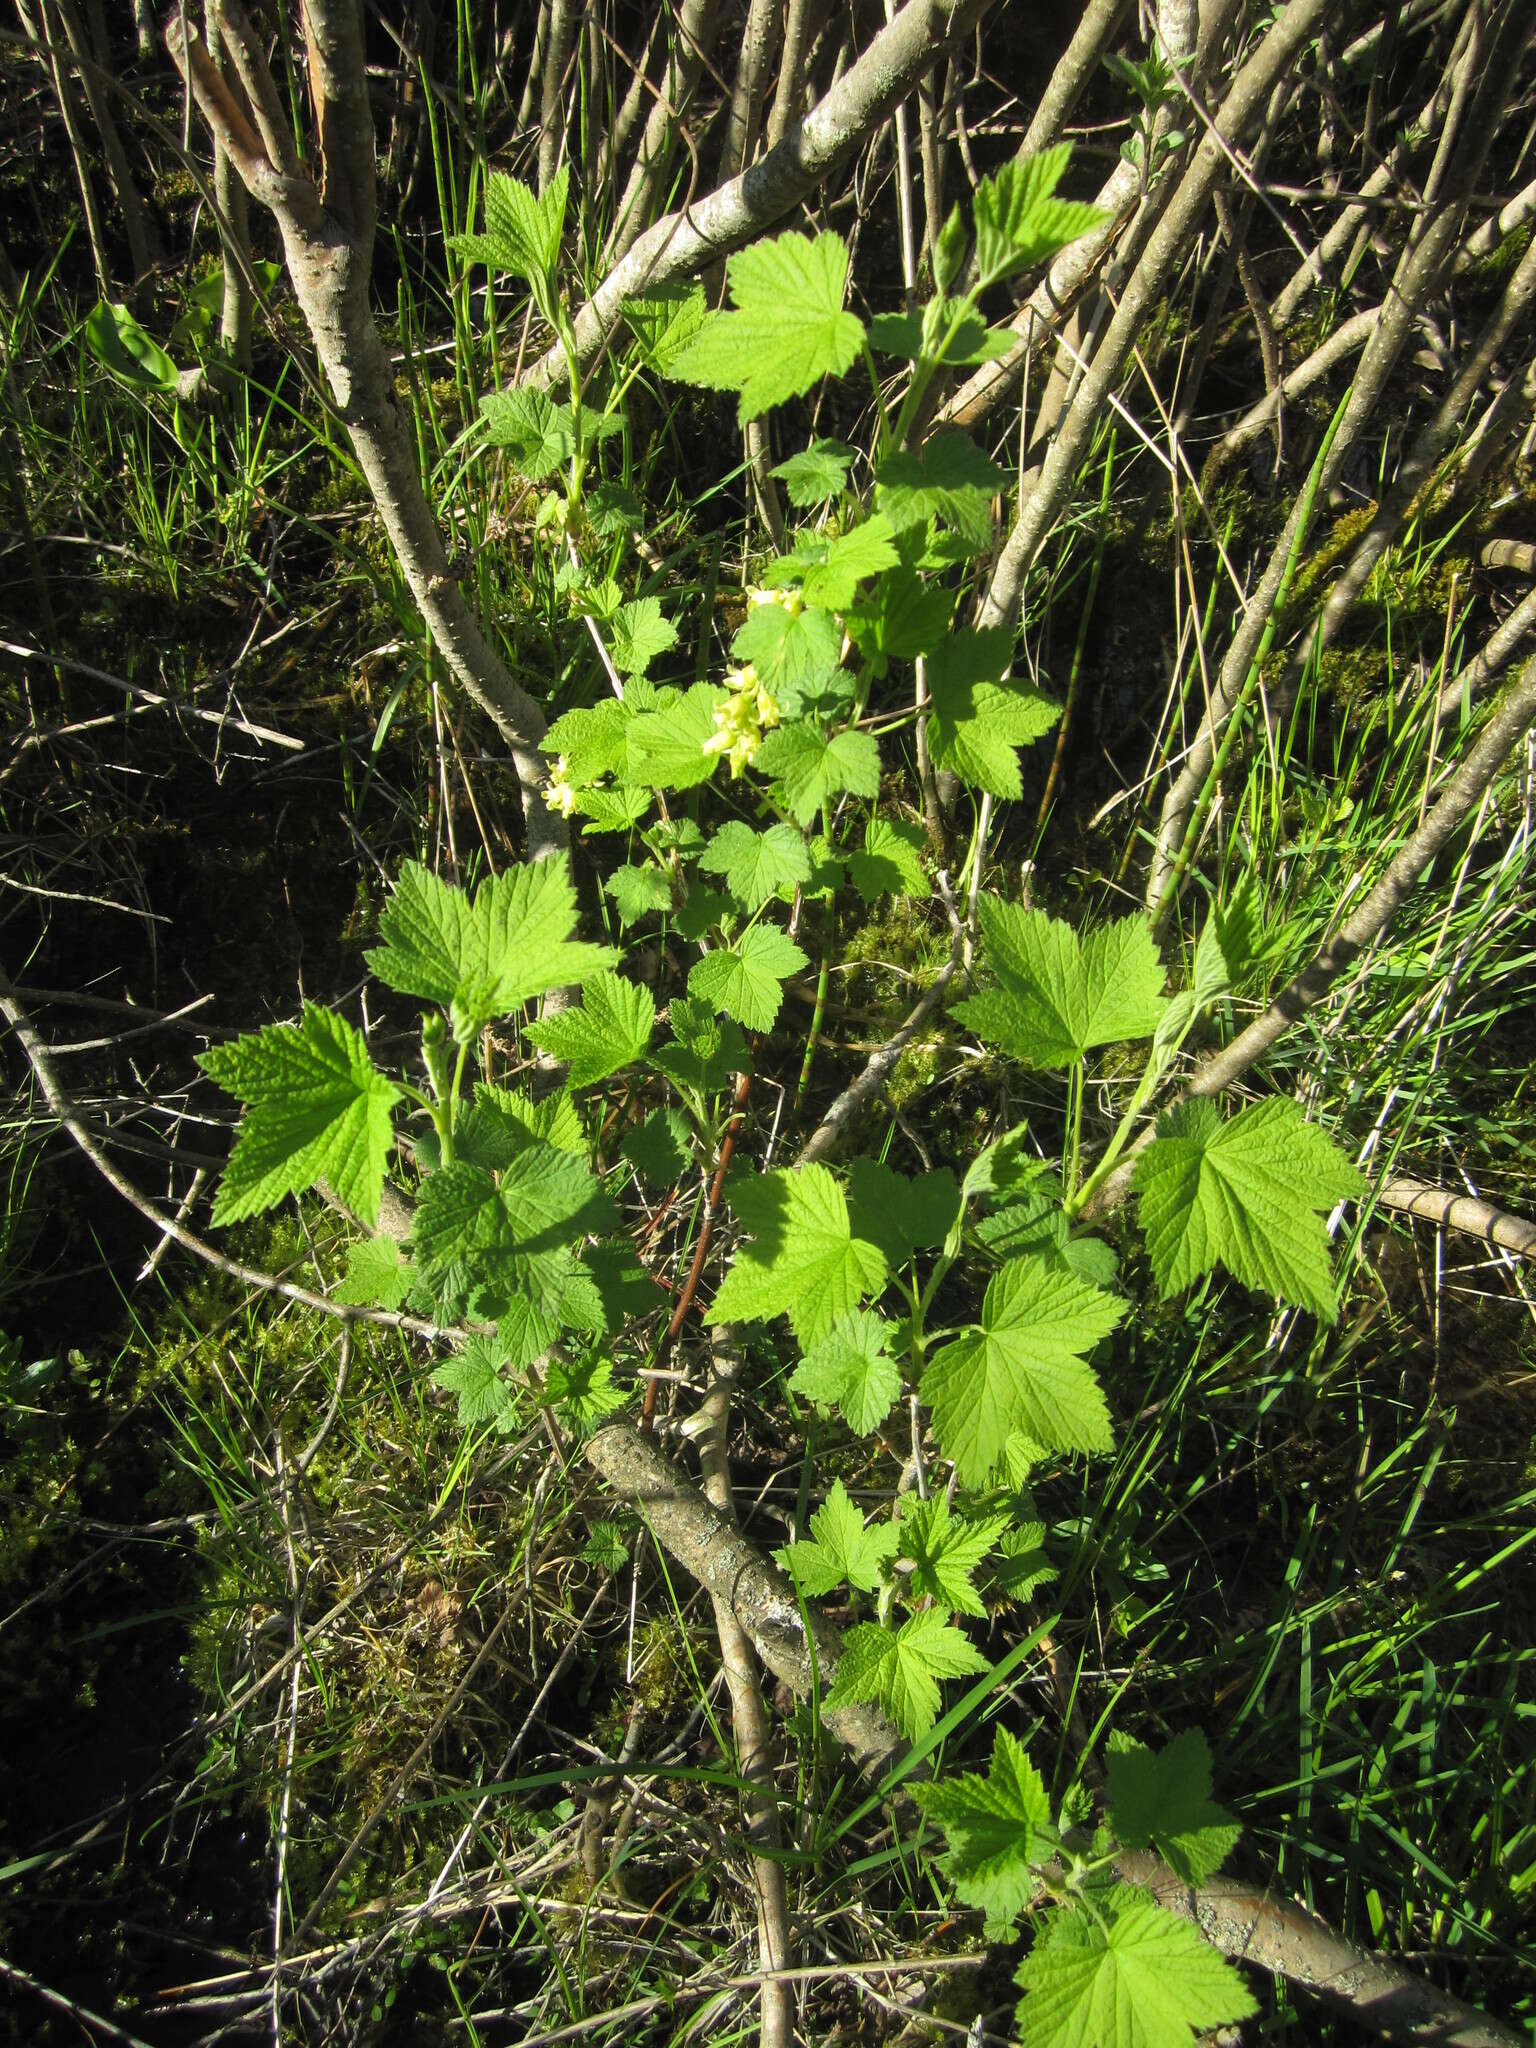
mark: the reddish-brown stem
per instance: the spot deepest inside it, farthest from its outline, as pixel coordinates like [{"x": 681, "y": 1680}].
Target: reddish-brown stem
[{"x": 700, "y": 1250}]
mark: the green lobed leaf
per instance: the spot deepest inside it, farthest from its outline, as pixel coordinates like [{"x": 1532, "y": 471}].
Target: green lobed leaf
[
  {"x": 1058, "y": 994},
  {"x": 664, "y": 320},
  {"x": 899, "y": 1670},
  {"x": 522, "y": 230},
  {"x": 805, "y": 1260},
  {"x": 976, "y": 721},
  {"x": 840, "y": 1550},
  {"x": 704, "y": 1051},
  {"x": 377, "y": 1275},
  {"x": 797, "y": 656},
  {"x": 638, "y": 892},
  {"x": 664, "y": 748},
  {"x": 811, "y": 766},
  {"x": 523, "y": 1334},
  {"x": 611, "y": 1029},
  {"x": 1126, "y": 1975},
  {"x": 590, "y": 740},
  {"x": 787, "y": 329},
  {"x": 316, "y": 1109},
  {"x": 538, "y": 435},
  {"x": 605, "y": 1547},
  {"x": 475, "y": 1376},
  {"x": 1249, "y": 1194},
  {"x": 1023, "y": 1368},
  {"x": 948, "y": 478},
  {"x": 1163, "y": 1800},
  {"x": 816, "y": 473},
  {"x": 746, "y": 978},
  {"x": 902, "y": 618},
  {"x": 660, "y": 1148},
  {"x": 639, "y": 634},
  {"x": 851, "y": 1372},
  {"x": 891, "y": 863},
  {"x": 901, "y": 1215},
  {"x": 829, "y": 572},
  {"x": 483, "y": 959},
  {"x": 582, "y": 1390},
  {"x": 757, "y": 865},
  {"x": 998, "y": 1829},
  {"x": 481, "y": 1241}
]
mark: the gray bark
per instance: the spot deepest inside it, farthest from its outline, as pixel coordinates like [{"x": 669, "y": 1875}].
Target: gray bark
[{"x": 328, "y": 243}]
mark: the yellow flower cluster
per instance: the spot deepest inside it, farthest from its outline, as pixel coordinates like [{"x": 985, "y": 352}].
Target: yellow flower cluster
[
  {"x": 742, "y": 719},
  {"x": 787, "y": 600},
  {"x": 558, "y": 793}
]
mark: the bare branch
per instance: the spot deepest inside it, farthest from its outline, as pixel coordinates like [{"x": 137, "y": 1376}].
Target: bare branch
[{"x": 684, "y": 243}]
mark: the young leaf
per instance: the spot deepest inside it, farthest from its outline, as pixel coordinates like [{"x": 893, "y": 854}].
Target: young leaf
[
  {"x": 474, "y": 1375},
  {"x": 316, "y": 1109},
  {"x": 998, "y": 1829},
  {"x": 811, "y": 767},
  {"x": 841, "y": 1549},
  {"x": 852, "y": 1372},
  {"x": 523, "y": 1335},
  {"x": 891, "y": 863},
  {"x": 756, "y": 865},
  {"x": 605, "y": 1548},
  {"x": 704, "y": 1051},
  {"x": 537, "y": 434},
  {"x": 805, "y": 1261},
  {"x": 522, "y": 232},
  {"x": 640, "y": 633},
  {"x": 948, "y": 478},
  {"x": 788, "y": 329},
  {"x": 1163, "y": 1801},
  {"x": 1023, "y": 1368},
  {"x": 583, "y": 1390},
  {"x": 816, "y": 473},
  {"x": 1250, "y": 1194},
  {"x": 900, "y": 1670},
  {"x": 972, "y": 341},
  {"x": 975, "y": 720},
  {"x": 1022, "y": 1561},
  {"x": 1059, "y": 995},
  {"x": 1018, "y": 222},
  {"x": 483, "y": 960},
  {"x": 498, "y": 1125},
  {"x": 746, "y": 979},
  {"x": 611, "y": 1028},
  {"x": 376, "y": 1277},
  {"x": 943, "y": 1552},
  {"x": 1127, "y": 1975}
]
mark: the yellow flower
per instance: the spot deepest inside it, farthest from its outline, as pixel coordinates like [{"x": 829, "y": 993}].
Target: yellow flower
[
  {"x": 559, "y": 794},
  {"x": 739, "y": 721},
  {"x": 787, "y": 600}
]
